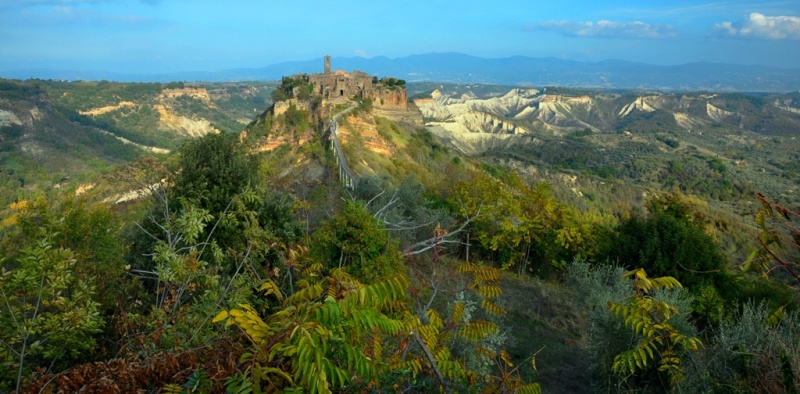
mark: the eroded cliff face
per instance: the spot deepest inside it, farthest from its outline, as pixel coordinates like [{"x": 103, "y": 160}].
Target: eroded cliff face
[
  {"x": 472, "y": 123},
  {"x": 197, "y": 93},
  {"x": 363, "y": 128},
  {"x": 169, "y": 118},
  {"x": 389, "y": 98},
  {"x": 170, "y": 121},
  {"x": 280, "y": 107},
  {"x": 643, "y": 104}
]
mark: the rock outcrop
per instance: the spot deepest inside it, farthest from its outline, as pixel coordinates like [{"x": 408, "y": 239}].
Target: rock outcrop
[
  {"x": 197, "y": 93},
  {"x": 364, "y": 128},
  {"x": 640, "y": 104},
  {"x": 194, "y": 128}
]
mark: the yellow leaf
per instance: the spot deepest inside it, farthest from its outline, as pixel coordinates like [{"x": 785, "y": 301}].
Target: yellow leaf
[
  {"x": 221, "y": 316},
  {"x": 504, "y": 357}
]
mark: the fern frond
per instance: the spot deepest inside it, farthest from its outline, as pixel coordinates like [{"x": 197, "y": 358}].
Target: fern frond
[
  {"x": 249, "y": 322},
  {"x": 328, "y": 313},
  {"x": 429, "y": 335},
  {"x": 465, "y": 267},
  {"x": 666, "y": 282},
  {"x": 377, "y": 345},
  {"x": 278, "y": 372},
  {"x": 485, "y": 352},
  {"x": 377, "y": 295},
  {"x": 451, "y": 369},
  {"x": 172, "y": 388},
  {"x": 533, "y": 388},
  {"x": 506, "y": 359}
]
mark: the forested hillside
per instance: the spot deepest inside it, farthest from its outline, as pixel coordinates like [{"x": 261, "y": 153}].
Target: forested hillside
[{"x": 239, "y": 263}]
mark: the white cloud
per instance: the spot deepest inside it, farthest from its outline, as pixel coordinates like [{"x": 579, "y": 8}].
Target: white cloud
[
  {"x": 758, "y": 25},
  {"x": 361, "y": 53},
  {"x": 608, "y": 29}
]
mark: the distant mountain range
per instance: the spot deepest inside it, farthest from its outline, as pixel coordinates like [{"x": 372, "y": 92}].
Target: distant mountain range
[{"x": 517, "y": 71}]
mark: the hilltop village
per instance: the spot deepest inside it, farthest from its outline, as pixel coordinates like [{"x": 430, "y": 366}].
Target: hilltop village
[{"x": 387, "y": 96}]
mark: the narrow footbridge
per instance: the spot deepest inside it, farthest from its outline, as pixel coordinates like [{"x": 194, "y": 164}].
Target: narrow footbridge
[{"x": 346, "y": 175}]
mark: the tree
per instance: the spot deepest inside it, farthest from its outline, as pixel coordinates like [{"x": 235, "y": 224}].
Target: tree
[
  {"x": 336, "y": 333},
  {"x": 755, "y": 352},
  {"x": 47, "y": 316},
  {"x": 671, "y": 241},
  {"x": 354, "y": 241},
  {"x": 519, "y": 223},
  {"x": 89, "y": 231},
  {"x": 212, "y": 170},
  {"x": 636, "y": 325},
  {"x": 778, "y": 239}
]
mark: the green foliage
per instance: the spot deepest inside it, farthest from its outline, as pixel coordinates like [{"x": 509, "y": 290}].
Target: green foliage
[
  {"x": 403, "y": 209},
  {"x": 296, "y": 120},
  {"x": 671, "y": 241},
  {"x": 778, "y": 239},
  {"x": 756, "y": 352},
  {"x": 48, "y": 315},
  {"x": 649, "y": 319},
  {"x": 354, "y": 241},
  {"x": 467, "y": 335},
  {"x": 320, "y": 339},
  {"x": 287, "y": 89},
  {"x": 624, "y": 319},
  {"x": 89, "y": 231},
  {"x": 188, "y": 284},
  {"x": 519, "y": 223},
  {"x": 212, "y": 170}
]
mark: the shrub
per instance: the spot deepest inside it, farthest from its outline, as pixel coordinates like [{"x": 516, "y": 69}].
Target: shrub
[
  {"x": 757, "y": 352},
  {"x": 609, "y": 336}
]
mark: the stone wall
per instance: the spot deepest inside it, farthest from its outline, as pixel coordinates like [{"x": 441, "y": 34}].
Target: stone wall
[{"x": 390, "y": 98}]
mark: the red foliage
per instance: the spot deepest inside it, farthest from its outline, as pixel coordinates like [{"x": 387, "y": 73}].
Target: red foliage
[{"x": 132, "y": 374}]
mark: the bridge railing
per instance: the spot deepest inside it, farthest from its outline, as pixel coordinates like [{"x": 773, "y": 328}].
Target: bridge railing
[{"x": 348, "y": 177}]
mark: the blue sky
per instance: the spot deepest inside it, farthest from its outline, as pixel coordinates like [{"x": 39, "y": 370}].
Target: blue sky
[{"x": 152, "y": 36}]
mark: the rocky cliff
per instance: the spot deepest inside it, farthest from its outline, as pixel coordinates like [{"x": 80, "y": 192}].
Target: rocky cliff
[{"x": 471, "y": 122}]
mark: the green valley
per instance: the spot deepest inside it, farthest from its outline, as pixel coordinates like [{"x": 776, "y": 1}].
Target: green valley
[{"x": 200, "y": 237}]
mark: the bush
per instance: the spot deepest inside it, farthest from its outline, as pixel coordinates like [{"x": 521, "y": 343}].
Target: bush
[
  {"x": 353, "y": 240},
  {"x": 755, "y": 353},
  {"x": 599, "y": 287}
]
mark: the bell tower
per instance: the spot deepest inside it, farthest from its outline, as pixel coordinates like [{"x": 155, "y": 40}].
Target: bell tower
[{"x": 327, "y": 64}]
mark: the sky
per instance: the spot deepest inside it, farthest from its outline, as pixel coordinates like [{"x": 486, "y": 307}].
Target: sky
[{"x": 159, "y": 36}]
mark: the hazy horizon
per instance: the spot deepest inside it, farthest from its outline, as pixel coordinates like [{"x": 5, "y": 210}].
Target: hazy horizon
[{"x": 167, "y": 36}]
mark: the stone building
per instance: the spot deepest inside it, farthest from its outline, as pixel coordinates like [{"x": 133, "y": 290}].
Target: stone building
[{"x": 332, "y": 85}]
